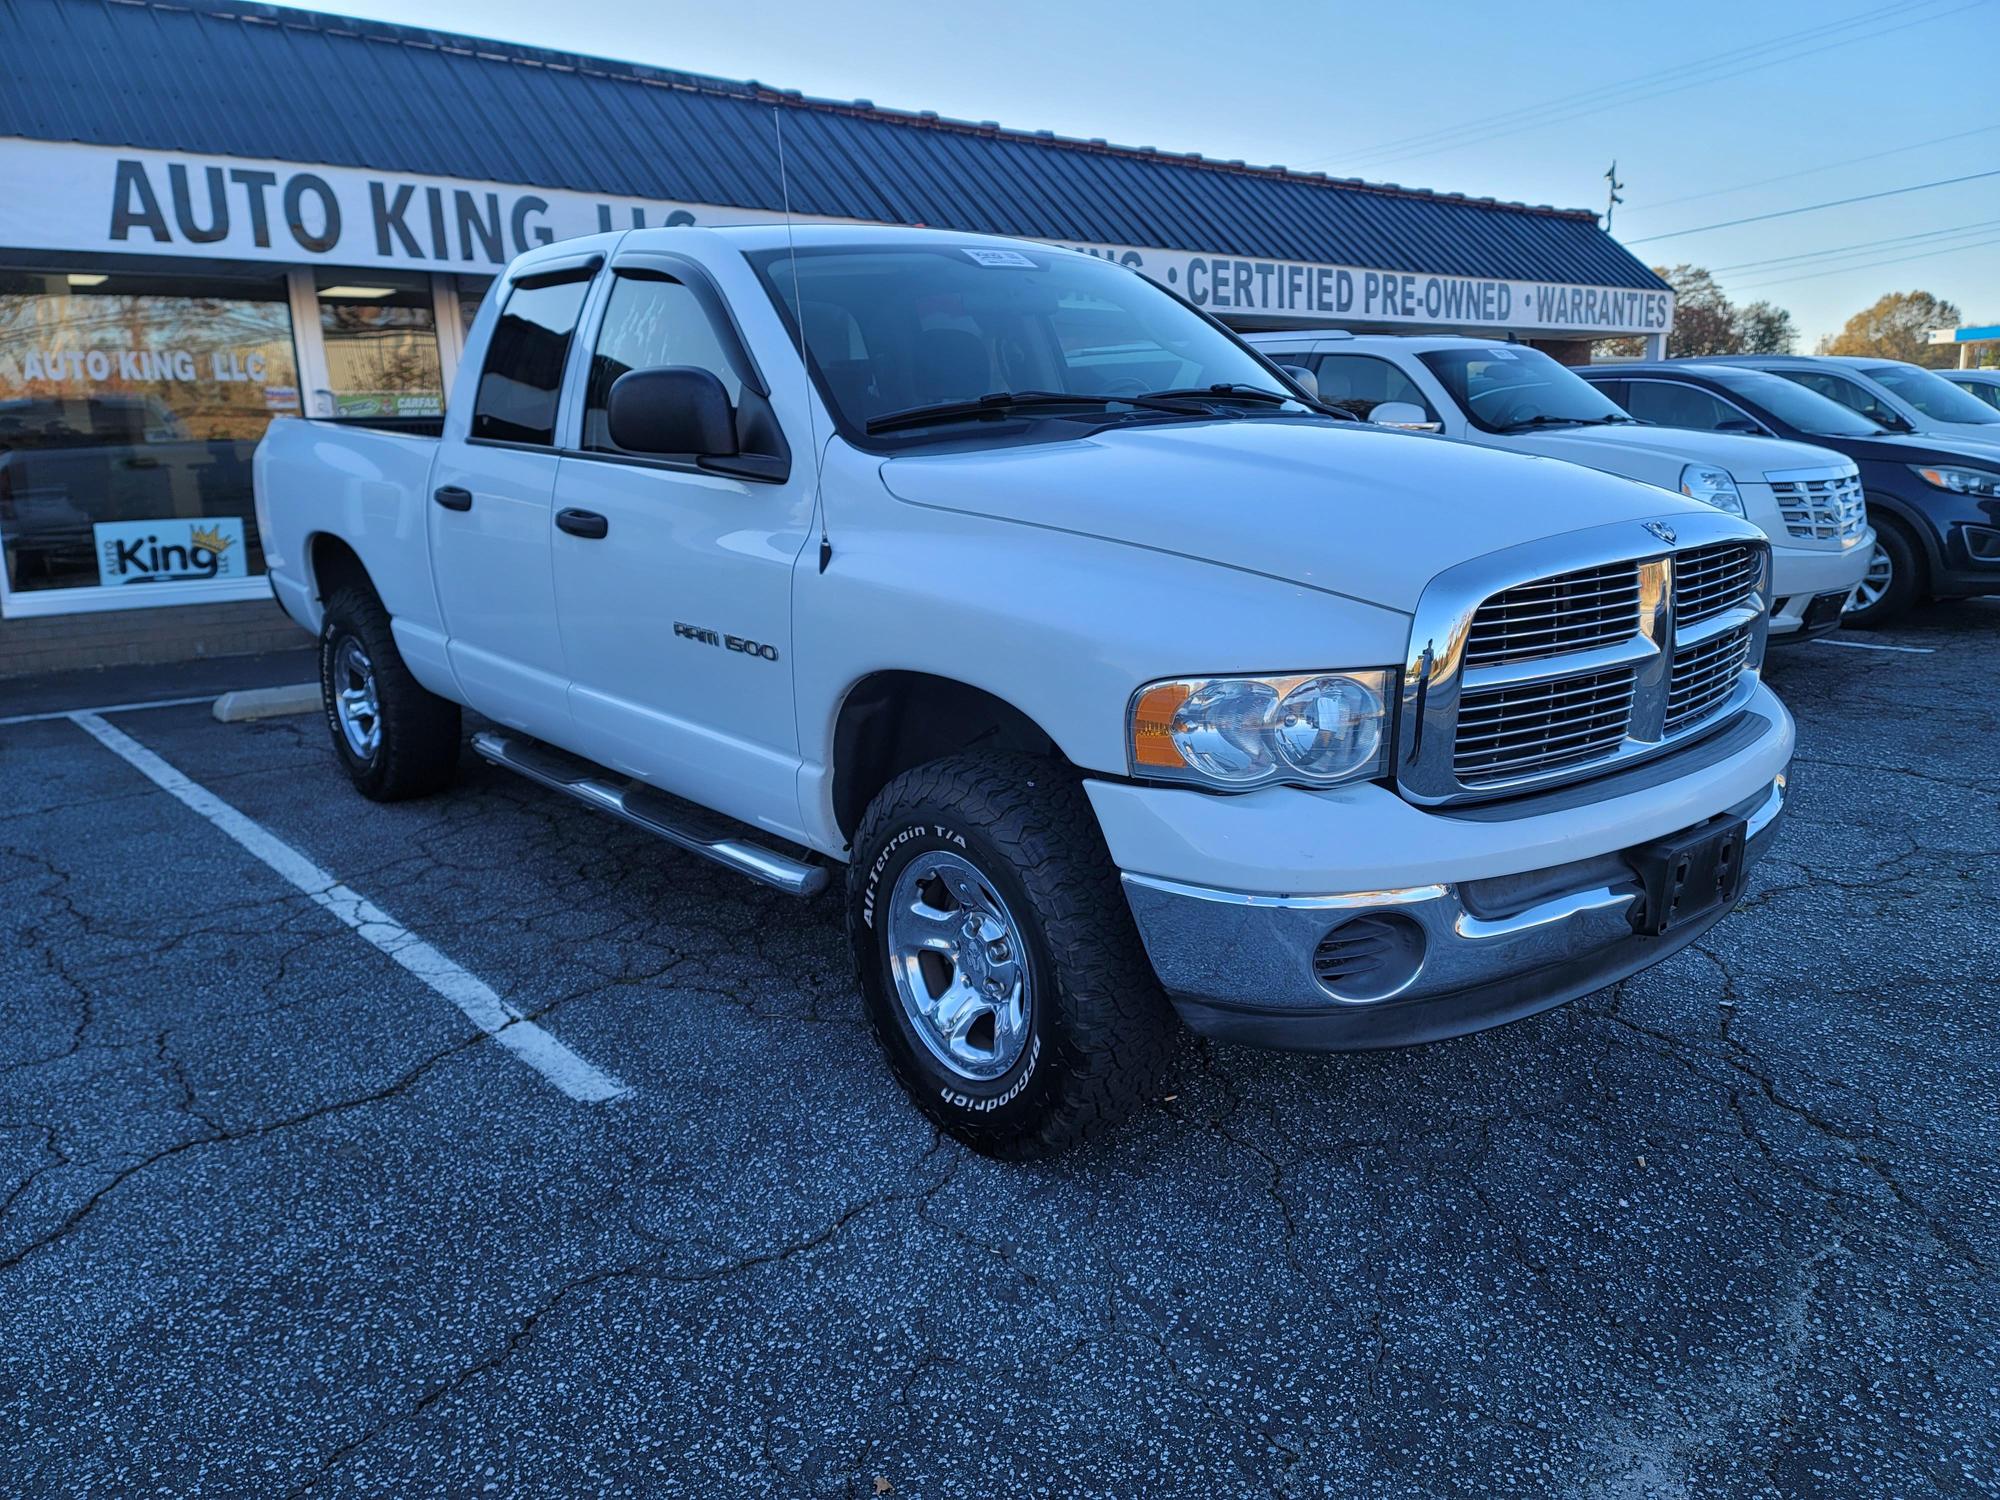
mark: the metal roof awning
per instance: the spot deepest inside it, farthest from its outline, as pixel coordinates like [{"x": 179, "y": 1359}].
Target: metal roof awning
[{"x": 427, "y": 148}]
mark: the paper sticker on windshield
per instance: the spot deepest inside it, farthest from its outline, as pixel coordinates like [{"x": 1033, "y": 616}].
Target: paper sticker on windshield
[
  {"x": 999, "y": 257},
  {"x": 1500, "y": 353}
]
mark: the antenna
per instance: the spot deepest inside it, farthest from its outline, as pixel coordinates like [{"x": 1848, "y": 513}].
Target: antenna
[
  {"x": 799, "y": 319},
  {"x": 1614, "y": 200}
]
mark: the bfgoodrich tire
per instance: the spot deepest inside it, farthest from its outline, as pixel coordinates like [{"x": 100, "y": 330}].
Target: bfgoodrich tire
[
  {"x": 1897, "y": 580},
  {"x": 393, "y": 737},
  {"x": 998, "y": 961}
]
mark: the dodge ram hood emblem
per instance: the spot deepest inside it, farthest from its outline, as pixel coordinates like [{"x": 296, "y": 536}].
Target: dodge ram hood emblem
[{"x": 1663, "y": 531}]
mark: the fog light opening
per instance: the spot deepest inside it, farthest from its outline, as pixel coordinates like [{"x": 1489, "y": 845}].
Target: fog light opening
[{"x": 1369, "y": 958}]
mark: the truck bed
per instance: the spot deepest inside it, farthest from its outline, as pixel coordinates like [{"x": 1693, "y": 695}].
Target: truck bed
[
  {"x": 412, "y": 426},
  {"x": 362, "y": 481}
]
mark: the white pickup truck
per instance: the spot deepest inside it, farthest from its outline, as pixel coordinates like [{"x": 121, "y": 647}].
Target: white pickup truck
[
  {"x": 1518, "y": 399},
  {"x": 1107, "y": 665}
]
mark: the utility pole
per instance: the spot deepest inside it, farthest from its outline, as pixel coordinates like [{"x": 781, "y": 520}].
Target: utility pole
[{"x": 1614, "y": 200}]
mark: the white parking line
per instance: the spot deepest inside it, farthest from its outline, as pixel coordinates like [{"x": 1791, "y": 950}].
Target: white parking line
[
  {"x": 534, "y": 1046},
  {"x": 109, "y": 708},
  {"x": 1872, "y": 646}
]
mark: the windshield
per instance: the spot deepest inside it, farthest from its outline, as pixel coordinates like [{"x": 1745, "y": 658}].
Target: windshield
[
  {"x": 1511, "y": 388},
  {"x": 1933, "y": 395},
  {"x": 1796, "y": 406},
  {"x": 897, "y": 330}
]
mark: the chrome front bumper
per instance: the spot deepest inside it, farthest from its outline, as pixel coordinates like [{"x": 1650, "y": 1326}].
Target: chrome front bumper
[{"x": 1241, "y": 967}]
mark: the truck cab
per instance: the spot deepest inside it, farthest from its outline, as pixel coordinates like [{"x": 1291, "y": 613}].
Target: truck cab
[{"x": 1519, "y": 400}]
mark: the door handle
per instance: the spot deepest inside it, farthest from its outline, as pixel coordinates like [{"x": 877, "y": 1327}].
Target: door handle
[
  {"x": 451, "y": 497},
  {"x": 583, "y": 523}
]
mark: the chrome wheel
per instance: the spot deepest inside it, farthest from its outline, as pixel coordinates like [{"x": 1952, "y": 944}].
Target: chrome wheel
[
  {"x": 959, "y": 965},
  {"x": 354, "y": 705},
  {"x": 1875, "y": 582}
]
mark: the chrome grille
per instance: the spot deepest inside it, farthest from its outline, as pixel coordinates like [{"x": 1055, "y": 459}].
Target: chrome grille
[
  {"x": 1822, "y": 510},
  {"x": 1570, "y": 612},
  {"x": 1704, "y": 675},
  {"x": 1521, "y": 677},
  {"x": 1709, "y": 580},
  {"x": 1529, "y": 727}
]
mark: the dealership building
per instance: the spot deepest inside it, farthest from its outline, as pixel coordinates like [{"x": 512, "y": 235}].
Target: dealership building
[{"x": 215, "y": 214}]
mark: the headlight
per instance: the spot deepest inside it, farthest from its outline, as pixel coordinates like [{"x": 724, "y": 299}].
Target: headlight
[
  {"x": 1982, "y": 482},
  {"x": 1313, "y": 729},
  {"x": 1711, "y": 487}
]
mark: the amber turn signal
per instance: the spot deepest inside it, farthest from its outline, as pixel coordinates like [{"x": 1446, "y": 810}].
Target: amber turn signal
[{"x": 1153, "y": 725}]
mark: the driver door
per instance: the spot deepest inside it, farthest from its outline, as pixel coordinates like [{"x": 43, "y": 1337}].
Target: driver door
[{"x": 674, "y": 590}]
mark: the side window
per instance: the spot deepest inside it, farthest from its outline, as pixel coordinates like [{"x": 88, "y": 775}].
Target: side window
[
  {"x": 1360, "y": 382},
  {"x": 518, "y": 387},
  {"x": 1670, "y": 404},
  {"x": 1848, "y": 394},
  {"x": 649, "y": 322},
  {"x": 1616, "y": 390}
]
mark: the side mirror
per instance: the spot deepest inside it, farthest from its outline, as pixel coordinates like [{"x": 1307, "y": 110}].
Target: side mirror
[
  {"x": 1403, "y": 414},
  {"x": 672, "y": 409},
  {"x": 1303, "y": 378}
]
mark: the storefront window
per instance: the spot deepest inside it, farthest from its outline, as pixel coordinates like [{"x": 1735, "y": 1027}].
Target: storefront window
[
  {"x": 472, "y": 292},
  {"x": 129, "y": 408},
  {"x": 381, "y": 344}
]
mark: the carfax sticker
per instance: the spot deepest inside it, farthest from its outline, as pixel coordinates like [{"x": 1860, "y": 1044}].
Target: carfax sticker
[{"x": 999, "y": 257}]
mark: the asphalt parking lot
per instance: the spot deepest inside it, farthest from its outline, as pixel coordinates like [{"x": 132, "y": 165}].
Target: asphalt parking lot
[{"x": 277, "y": 1215}]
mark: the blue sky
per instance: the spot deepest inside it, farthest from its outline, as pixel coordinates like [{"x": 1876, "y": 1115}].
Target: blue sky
[{"x": 1721, "y": 93}]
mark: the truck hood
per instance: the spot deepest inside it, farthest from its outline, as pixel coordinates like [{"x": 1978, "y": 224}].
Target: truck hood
[
  {"x": 1362, "y": 512},
  {"x": 1658, "y": 454}
]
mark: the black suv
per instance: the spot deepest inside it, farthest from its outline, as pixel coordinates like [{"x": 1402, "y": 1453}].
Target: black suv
[{"x": 1934, "y": 501}]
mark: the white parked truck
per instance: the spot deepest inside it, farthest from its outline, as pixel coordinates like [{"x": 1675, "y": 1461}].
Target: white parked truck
[
  {"x": 1100, "y": 666},
  {"x": 1518, "y": 399}
]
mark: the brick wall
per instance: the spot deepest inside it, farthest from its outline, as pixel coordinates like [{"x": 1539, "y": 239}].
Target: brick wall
[{"x": 131, "y": 637}]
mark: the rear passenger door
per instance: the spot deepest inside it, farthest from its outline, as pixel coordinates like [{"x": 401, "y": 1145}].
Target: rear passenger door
[
  {"x": 675, "y": 601},
  {"x": 489, "y": 510}
]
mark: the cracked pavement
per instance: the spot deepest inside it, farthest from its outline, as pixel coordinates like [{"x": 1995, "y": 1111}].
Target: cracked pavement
[{"x": 276, "y": 1219}]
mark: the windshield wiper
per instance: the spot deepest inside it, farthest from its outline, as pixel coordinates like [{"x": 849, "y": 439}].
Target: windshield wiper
[
  {"x": 1548, "y": 421},
  {"x": 1240, "y": 391},
  {"x": 1000, "y": 404}
]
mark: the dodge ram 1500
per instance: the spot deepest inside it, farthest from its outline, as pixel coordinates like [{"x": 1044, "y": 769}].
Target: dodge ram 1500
[{"x": 1109, "y": 673}]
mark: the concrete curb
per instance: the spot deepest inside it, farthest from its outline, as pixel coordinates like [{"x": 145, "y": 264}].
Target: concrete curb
[{"x": 267, "y": 703}]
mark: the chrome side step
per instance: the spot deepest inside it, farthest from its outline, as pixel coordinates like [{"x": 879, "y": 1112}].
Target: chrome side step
[{"x": 679, "y": 823}]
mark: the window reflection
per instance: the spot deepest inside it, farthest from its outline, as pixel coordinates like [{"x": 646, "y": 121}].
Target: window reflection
[
  {"x": 129, "y": 408},
  {"x": 381, "y": 344}
]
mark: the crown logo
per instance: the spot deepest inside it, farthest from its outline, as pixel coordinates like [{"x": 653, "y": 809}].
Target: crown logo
[{"x": 211, "y": 540}]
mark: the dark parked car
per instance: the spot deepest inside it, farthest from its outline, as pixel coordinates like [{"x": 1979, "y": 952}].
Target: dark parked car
[{"x": 1934, "y": 501}]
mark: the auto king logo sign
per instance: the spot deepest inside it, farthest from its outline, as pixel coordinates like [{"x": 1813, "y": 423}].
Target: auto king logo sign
[{"x": 169, "y": 551}]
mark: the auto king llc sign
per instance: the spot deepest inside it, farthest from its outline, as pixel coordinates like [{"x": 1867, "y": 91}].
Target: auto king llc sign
[{"x": 63, "y": 196}]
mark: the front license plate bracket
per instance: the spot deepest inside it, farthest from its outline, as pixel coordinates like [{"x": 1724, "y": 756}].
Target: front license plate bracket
[{"x": 1688, "y": 875}]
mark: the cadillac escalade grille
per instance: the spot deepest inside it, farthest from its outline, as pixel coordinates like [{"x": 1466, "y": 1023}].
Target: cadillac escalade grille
[
  {"x": 1553, "y": 615},
  {"x": 1709, "y": 580},
  {"x": 1514, "y": 731},
  {"x": 1515, "y": 682},
  {"x": 1822, "y": 510}
]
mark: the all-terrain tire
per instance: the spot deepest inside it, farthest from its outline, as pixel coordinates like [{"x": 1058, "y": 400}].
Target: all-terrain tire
[
  {"x": 417, "y": 738},
  {"x": 1100, "y": 1033}
]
